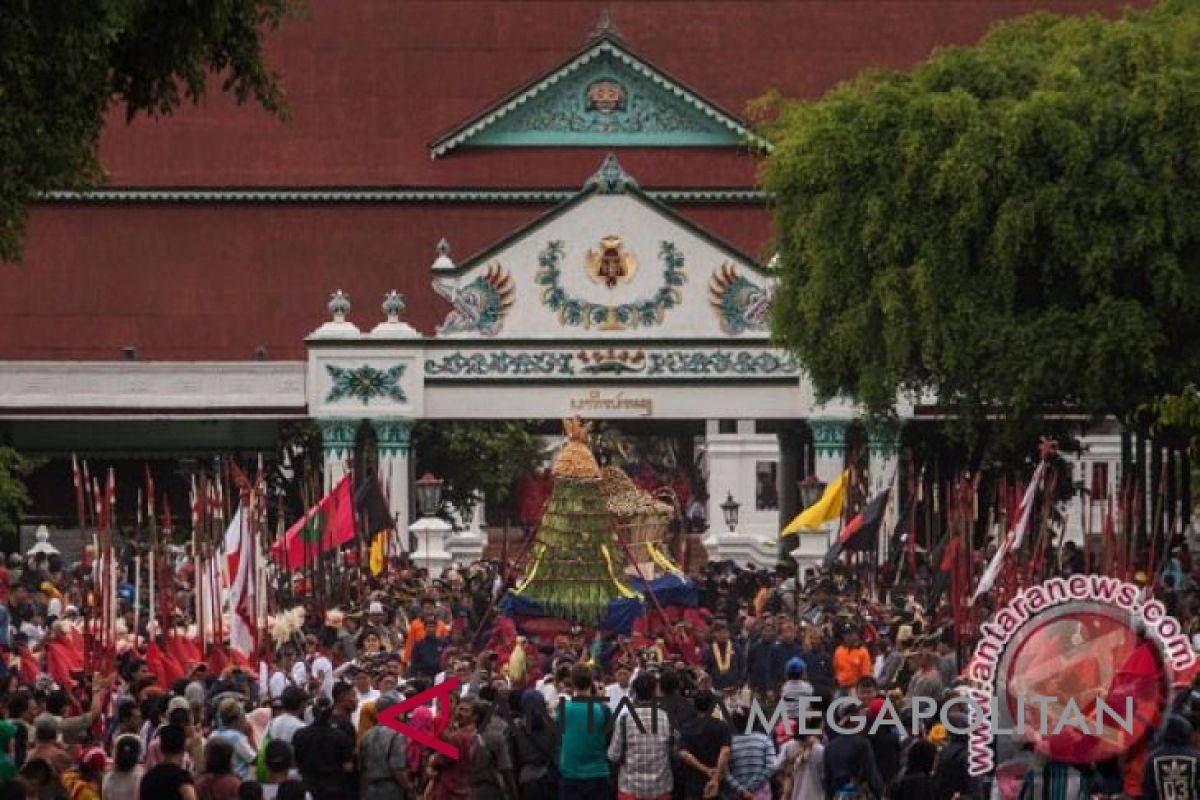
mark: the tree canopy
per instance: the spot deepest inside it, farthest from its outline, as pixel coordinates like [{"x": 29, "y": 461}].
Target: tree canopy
[
  {"x": 64, "y": 63},
  {"x": 475, "y": 459},
  {"x": 1012, "y": 227},
  {"x": 14, "y": 498}
]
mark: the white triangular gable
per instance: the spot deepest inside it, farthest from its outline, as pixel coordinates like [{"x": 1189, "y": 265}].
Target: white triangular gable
[{"x": 609, "y": 266}]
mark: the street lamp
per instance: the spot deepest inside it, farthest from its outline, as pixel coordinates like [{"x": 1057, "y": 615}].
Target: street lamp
[
  {"x": 730, "y": 509},
  {"x": 429, "y": 494},
  {"x": 811, "y": 489}
]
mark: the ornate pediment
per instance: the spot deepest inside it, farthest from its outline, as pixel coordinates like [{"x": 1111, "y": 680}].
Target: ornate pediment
[
  {"x": 609, "y": 262},
  {"x": 602, "y": 96}
]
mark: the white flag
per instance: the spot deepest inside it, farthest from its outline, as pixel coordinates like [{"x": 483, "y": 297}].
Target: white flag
[
  {"x": 243, "y": 603},
  {"x": 1014, "y": 538}
]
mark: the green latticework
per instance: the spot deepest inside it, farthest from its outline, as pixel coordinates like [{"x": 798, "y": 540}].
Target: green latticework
[{"x": 570, "y": 574}]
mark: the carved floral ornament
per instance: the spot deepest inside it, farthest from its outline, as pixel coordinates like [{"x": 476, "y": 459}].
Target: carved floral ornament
[
  {"x": 366, "y": 383},
  {"x": 613, "y": 361},
  {"x": 579, "y": 312}
]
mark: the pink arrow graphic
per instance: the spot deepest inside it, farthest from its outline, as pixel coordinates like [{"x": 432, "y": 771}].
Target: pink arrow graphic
[{"x": 391, "y": 717}]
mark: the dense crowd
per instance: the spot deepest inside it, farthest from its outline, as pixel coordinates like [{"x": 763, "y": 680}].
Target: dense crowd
[{"x": 548, "y": 710}]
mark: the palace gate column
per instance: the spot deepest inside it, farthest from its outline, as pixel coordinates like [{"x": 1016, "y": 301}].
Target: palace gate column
[
  {"x": 829, "y": 442},
  {"x": 337, "y": 446},
  {"x": 829, "y": 445},
  {"x": 393, "y": 441}
]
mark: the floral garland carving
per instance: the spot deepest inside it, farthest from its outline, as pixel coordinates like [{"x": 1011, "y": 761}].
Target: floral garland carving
[{"x": 576, "y": 312}]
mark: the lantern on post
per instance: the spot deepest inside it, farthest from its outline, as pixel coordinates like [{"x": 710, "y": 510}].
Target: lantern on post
[
  {"x": 730, "y": 509},
  {"x": 429, "y": 494},
  {"x": 811, "y": 489}
]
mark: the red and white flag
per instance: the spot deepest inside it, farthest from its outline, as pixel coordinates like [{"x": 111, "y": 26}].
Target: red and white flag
[
  {"x": 243, "y": 599},
  {"x": 1015, "y": 536},
  {"x": 231, "y": 547}
]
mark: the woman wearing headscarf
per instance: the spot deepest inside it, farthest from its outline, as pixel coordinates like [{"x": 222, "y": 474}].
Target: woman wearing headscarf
[
  {"x": 535, "y": 749},
  {"x": 421, "y": 720}
]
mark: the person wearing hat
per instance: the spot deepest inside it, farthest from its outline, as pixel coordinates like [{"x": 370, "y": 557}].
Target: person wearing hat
[
  {"x": 377, "y": 620},
  {"x": 383, "y": 758},
  {"x": 83, "y": 782}
]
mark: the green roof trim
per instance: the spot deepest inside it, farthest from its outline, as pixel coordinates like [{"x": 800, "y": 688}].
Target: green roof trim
[
  {"x": 604, "y": 96},
  {"x": 381, "y": 195}
]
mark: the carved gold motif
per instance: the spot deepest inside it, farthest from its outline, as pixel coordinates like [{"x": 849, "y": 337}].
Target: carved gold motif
[{"x": 611, "y": 263}]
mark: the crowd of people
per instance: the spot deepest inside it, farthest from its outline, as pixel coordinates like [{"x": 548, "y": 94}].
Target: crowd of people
[{"x": 543, "y": 709}]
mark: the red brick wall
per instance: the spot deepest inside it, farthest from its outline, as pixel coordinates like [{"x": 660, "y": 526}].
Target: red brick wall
[
  {"x": 215, "y": 282},
  {"x": 371, "y": 83}
]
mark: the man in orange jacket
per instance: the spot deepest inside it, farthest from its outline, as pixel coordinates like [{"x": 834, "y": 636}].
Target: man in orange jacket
[
  {"x": 422, "y": 624},
  {"x": 851, "y": 661}
]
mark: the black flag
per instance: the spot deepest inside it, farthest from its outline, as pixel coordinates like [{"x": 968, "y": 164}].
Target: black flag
[{"x": 862, "y": 532}]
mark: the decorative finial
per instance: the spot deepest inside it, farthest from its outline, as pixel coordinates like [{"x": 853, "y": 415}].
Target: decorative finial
[
  {"x": 339, "y": 305},
  {"x": 611, "y": 178},
  {"x": 393, "y": 306},
  {"x": 604, "y": 28},
  {"x": 443, "y": 262}
]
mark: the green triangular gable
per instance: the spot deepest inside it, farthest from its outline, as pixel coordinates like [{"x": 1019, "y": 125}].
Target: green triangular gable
[{"x": 604, "y": 96}]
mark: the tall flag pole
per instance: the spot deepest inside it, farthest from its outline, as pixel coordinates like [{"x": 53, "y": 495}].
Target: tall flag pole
[{"x": 1014, "y": 538}]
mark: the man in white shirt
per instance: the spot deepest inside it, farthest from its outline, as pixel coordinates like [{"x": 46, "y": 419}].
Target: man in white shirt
[
  {"x": 284, "y": 674},
  {"x": 366, "y": 693},
  {"x": 619, "y": 690},
  {"x": 284, "y": 726},
  {"x": 320, "y": 668}
]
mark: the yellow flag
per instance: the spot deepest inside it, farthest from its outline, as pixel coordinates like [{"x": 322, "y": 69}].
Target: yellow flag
[
  {"x": 827, "y": 509},
  {"x": 377, "y": 553}
]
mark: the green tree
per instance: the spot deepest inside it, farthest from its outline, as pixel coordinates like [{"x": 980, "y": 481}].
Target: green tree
[
  {"x": 475, "y": 458},
  {"x": 14, "y": 498},
  {"x": 64, "y": 63},
  {"x": 1010, "y": 227},
  {"x": 1175, "y": 419}
]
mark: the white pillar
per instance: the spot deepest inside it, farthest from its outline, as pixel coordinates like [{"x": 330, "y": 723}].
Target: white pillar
[
  {"x": 393, "y": 441},
  {"x": 733, "y": 459},
  {"x": 884, "y": 447},
  {"x": 432, "y": 534},
  {"x": 337, "y": 444},
  {"x": 1100, "y": 447},
  {"x": 468, "y": 541}
]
